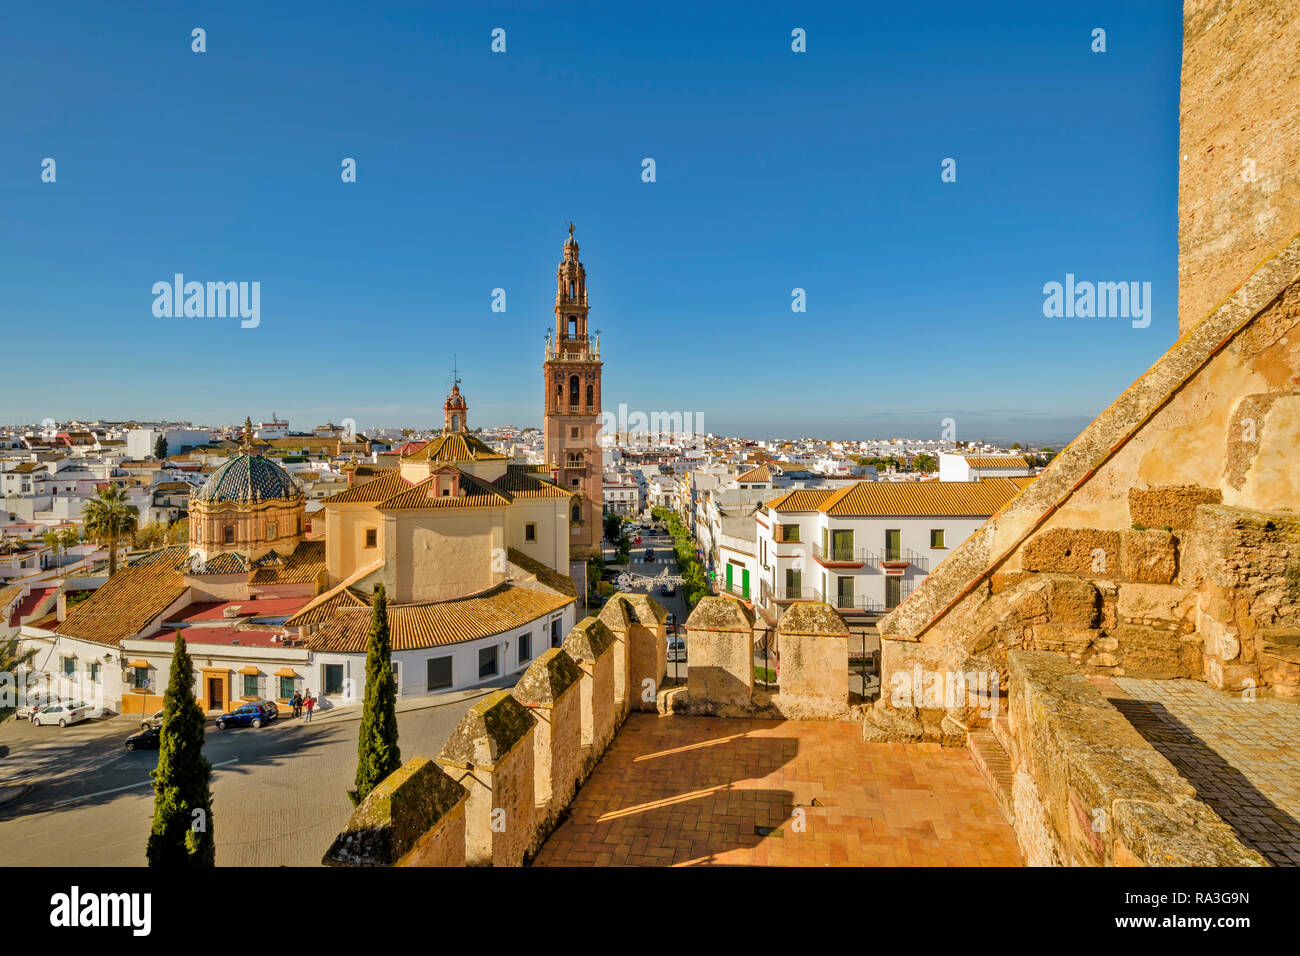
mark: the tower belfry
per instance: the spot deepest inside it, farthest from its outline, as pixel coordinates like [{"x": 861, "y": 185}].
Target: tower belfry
[
  {"x": 571, "y": 370},
  {"x": 454, "y": 411}
]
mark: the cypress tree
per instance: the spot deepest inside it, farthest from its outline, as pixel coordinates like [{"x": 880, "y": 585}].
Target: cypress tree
[
  {"x": 377, "y": 751},
  {"x": 182, "y": 837}
]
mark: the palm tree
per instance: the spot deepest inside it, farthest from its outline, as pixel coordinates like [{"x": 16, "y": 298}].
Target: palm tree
[{"x": 108, "y": 516}]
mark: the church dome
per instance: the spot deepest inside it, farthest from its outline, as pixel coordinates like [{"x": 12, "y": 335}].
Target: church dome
[{"x": 249, "y": 479}]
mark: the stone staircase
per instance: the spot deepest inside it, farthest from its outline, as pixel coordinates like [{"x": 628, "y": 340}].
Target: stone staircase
[{"x": 988, "y": 751}]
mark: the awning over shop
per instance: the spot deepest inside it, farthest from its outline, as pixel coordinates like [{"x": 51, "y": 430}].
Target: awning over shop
[{"x": 139, "y": 662}]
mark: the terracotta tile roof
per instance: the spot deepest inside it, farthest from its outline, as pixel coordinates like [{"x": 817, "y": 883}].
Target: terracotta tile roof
[
  {"x": 374, "y": 471},
  {"x": 524, "y": 482},
  {"x": 306, "y": 562},
  {"x": 456, "y": 447},
  {"x": 997, "y": 461},
  {"x": 939, "y": 498},
  {"x": 129, "y": 601},
  {"x": 376, "y": 489},
  {"x": 800, "y": 500},
  {"x": 761, "y": 473},
  {"x": 415, "y": 626},
  {"x": 560, "y": 583},
  {"x": 327, "y": 605},
  {"x": 477, "y": 494}
]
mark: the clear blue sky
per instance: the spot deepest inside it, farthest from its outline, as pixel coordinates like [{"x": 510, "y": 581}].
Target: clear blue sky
[{"x": 775, "y": 170}]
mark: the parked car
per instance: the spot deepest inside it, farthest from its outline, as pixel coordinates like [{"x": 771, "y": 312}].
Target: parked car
[
  {"x": 676, "y": 649},
  {"x": 649, "y": 554},
  {"x": 61, "y": 714},
  {"x": 249, "y": 715},
  {"x": 28, "y": 710},
  {"x": 668, "y": 590},
  {"x": 154, "y": 721},
  {"x": 147, "y": 739},
  {"x": 671, "y": 620}
]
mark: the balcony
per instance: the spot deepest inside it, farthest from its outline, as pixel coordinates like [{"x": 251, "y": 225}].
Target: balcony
[
  {"x": 836, "y": 557},
  {"x": 897, "y": 562},
  {"x": 736, "y": 590},
  {"x": 574, "y": 463},
  {"x": 783, "y": 594},
  {"x": 853, "y": 604}
]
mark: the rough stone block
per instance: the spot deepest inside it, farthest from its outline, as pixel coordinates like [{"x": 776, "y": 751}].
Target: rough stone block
[
  {"x": 1150, "y": 556},
  {"x": 1091, "y": 552},
  {"x": 1151, "y": 652},
  {"x": 1074, "y": 602},
  {"x": 1167, "y": 603},
  {"x": 1172, "y": 505},
  {"x": 415, "y": 817}
]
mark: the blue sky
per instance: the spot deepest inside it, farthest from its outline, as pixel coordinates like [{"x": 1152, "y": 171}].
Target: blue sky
[{"x": 775, "y": 170}]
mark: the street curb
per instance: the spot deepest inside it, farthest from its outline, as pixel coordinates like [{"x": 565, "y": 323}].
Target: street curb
[{"x": 354, "y": 712}]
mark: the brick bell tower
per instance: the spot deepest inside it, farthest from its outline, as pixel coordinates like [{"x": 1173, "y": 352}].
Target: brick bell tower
[{"x": 572, "y": 399}]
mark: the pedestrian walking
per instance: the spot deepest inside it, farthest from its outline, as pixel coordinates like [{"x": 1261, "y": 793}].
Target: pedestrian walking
[
  {"x": 310, "y": 705},
  {"x": 297, "y": 703}
]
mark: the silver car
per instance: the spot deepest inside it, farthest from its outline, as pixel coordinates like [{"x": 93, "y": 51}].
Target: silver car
[{"x": 61, "y": 714}]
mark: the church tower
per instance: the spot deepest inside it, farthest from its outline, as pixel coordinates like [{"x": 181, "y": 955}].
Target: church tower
[
  {"x": 454, "y": 411},
  {"x": 572, "y": 400}
]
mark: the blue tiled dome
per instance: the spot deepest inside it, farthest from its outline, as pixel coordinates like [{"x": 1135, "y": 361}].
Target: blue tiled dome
[{"x": 249, "y": 479}]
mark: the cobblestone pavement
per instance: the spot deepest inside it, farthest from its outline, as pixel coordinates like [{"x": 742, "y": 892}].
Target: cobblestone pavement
[
  {"x": 1242, "y": 756},
  {"x": 675, "y": 790}
]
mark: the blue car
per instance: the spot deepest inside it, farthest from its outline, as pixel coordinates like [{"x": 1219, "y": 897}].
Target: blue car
[{"x": 249, "y": 715}]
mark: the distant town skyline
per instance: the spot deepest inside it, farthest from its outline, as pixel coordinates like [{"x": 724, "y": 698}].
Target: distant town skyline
[{"x": 779, "y": 176}]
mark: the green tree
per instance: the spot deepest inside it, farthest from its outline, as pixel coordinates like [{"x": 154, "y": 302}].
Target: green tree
[
  {"x": 182, "y": 784},
  {"x": 11, "y": 658},
  {"x": 160, "y": 447},
  {"x": 54, "y": 541},
  {"x": 612, "y": 524},
  {"x": 151, "y": 535},
  {"x": 1016, "y": 447},
  {"x": 377, "y": 752},
  {"x": 108, "y": 517},
  {"x": 925, "y": 462}
]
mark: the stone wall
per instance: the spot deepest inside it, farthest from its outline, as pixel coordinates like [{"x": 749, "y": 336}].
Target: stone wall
[
  {"x": 1158, "y": 544},
  {"x": 515, "y": 760},
  {"x": 1088, "y": 790},
  {"x": 490, "y": 754},
  {"x": 415, "y": 817},
  {"x": 1239, "y": 139}
]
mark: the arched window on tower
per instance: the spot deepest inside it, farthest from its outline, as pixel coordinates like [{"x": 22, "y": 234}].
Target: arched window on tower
[
  {"x": 591, "y": 396},
  {"x": 573, "y": 326},
  {"x": 577, "y": 512},
  {"x": 571, "y": 293},
  {"x": 573, "y": 389}
]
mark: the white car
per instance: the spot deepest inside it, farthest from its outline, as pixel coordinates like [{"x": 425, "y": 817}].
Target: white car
[
  {"x": 61, "y": 714},
  {"x": 676, "y": 649},
  {"x": 150, "y": 722}
]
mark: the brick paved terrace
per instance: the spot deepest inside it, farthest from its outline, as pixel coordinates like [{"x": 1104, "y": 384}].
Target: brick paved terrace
[
  {"x": 1242, "y": 756},
  {"x": 676, "y": 790}
]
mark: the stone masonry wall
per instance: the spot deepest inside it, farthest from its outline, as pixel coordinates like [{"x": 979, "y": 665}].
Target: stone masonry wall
[{"x": 1239, "y": 145}]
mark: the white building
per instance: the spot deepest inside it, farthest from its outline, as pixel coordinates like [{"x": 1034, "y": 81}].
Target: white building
[
  {"x": 954, "y": 467},
  {"x": 140, "y": 441},
  {"x": 865, "y": 547}
]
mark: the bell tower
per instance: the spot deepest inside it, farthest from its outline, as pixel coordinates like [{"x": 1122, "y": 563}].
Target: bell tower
[
  {"x": 454, "y": 410},
  {"x": 571, "y": 372}
]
